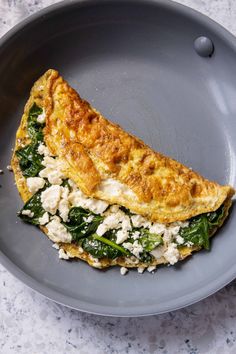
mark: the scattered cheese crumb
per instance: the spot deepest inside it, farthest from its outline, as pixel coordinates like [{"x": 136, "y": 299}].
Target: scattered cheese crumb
[
  {"x": 123, "y": 270},
  {"x": 9, "y": 168},
  {"x": 179, "y": 239},
  {"x": 56, "y": 246},
  {"x": 41, "y": 118},
  {"x": 172, "y": 253},
  {"x": 63, "y": 254},
  {"x": 151, "y": 269},
  {"x": 43, "y": 150},
  {"x": 44, "y": 219},
  {"x": 28, "y": 213},
  {"x": 1, "y": 172},
  {"x": 141, "y": 270}
]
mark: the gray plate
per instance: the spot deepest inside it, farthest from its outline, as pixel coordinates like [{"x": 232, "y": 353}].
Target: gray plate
[{"x": 135, "y": 62}]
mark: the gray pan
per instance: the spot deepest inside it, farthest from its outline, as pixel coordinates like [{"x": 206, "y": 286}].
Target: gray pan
[{"x": 136, "y": 62}]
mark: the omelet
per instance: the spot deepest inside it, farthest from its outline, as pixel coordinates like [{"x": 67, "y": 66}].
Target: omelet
[{"x": 101, "y": 194}]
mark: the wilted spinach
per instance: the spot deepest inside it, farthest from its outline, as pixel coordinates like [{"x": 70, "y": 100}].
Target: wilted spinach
[
  {"x": 77, "y": 224},
  {"x": 30, "y": 160},
  {"x": 34, "y": 205},
  {"x": 149, "y": 241},
  {"x": 199, "y": 228},
  {"x": 100, "y": 247}
]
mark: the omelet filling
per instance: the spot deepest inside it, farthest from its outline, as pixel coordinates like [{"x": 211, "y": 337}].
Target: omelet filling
[{"x": 100, "y": 229}]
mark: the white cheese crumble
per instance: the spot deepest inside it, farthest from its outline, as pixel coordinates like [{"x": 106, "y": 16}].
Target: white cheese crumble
[
  {"x": 115, "y": 220},
  {"x": 78, "y": 198},
  {"x": 9, "y": 168},
  {"x": 50, "y": 198},
  {"x": 28, "y": 213},
  {"x": 123, "y": 270},
  {"x": 44, "y": 219},
  {"x": 1, "y": 172},
  {"x": 140, "y": 270},
  {"x": 179, "y": 239},
  {"x": 34, "y": 184},
  {"x": 151, "y": 269},
  {"x": 57, "y": 232},
  {"x": 41, "y": 118},
  {"x": 62, "y": 254},
  {"x": 52, "y": 171},
  {"x": 88, "y": 219},
  {"x": 64, "y": 206},
  {"x": 56, "y": 246},
  {"x": 172, "y": 253},
  {"x": 121, "y": 235},
  {"x": 43, "y": 150},
  {"x": 140, "y": 221},
  {"x": 115, "y": 188},
  {"x": 135, "y": 248}
]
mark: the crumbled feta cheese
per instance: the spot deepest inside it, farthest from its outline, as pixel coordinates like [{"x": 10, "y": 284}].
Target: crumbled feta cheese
[
  {"x": 167, "y": 238},
  {"x": 43, "y": 150},
  {"x": 123, "y": 270},
  {"x": 115, "y": 221},
  {"x": 140, "y": 270},
  {"x": 135, "y": 235},
  {"x": 172, "y": 253},
  {"x": 44, "y": 219},
  {"x": 41, "y": 118},
  {"x": 122, "y": 235},
  {"x": 28, "y": 213},
  {"x": 157, "y": 228},
  {"x": 151, "y": 269},
  {"x": 56, "y": 246},
  {"x": 34, "y": 184},
  {"x": 52, "y": 171},
  {"x": 9, "y": 168},
  {"x": 174, "y": 230},
  {"x": 62, "y": 254},
  {"x": 64, "y": 206},
  {"x": 50, "y": 198},
  {"x": 115, "y": 188},
  {"x": 88, "y": 219},
  {"x": 134, "y": 248},
  {"x": 1, "y": 172},
  {"x": 140, "y": 221},
  {"x": 179, "y": 239},
  {"x": 78, "y": 198},
  {"x": 57, "y": 232}
]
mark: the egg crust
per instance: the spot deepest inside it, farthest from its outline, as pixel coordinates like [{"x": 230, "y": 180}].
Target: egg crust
[{"x": 92, "y": 150}]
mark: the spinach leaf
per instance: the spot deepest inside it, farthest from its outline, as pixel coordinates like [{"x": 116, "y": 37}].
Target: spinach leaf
[
  {"x": 96, "y": 246},
  {"x": 149, "y": 241},
  {"x": 200, "y": 226},
  {"x": 35, "y": 129},
  {"x": 215, "y": 217},
  {"x": 30, "y": 160},
  {"x": 197, "y": 232},
  {"x": 77, "y": 224},
  {"x": 34, "y": 205}
]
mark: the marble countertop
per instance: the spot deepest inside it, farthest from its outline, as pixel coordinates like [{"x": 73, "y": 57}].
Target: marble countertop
[{"x": 31, "y": 324}]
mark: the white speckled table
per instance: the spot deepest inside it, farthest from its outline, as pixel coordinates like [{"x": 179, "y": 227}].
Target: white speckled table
[{"x": 31, "y": 324}]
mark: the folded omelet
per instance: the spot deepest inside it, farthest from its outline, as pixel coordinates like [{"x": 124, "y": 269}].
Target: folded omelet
[{"x": 101, "y": 194}]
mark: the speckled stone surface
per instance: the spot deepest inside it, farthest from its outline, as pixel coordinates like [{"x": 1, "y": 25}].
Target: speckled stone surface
[{"x": 31, "y": 324}]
